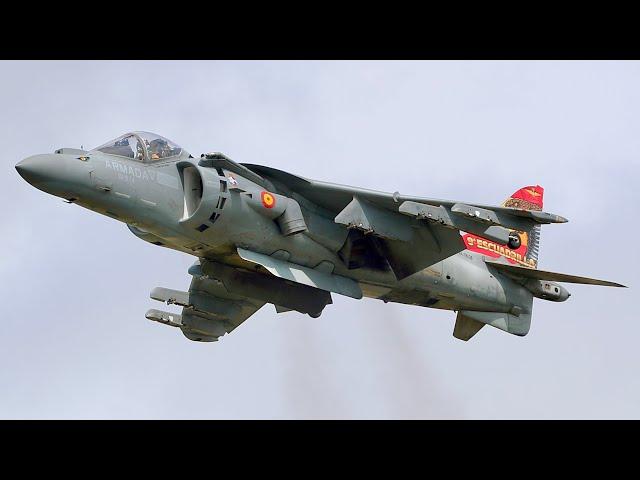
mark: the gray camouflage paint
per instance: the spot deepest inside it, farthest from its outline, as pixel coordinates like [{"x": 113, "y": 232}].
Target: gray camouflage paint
[{"x": 237, "y": 233}]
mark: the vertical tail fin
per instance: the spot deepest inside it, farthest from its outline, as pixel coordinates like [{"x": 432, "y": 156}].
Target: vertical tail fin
[{"x": 526, "y": 198}]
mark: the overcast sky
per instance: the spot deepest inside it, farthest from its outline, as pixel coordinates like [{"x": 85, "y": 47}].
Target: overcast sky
[{"x": 75, "y": 285}]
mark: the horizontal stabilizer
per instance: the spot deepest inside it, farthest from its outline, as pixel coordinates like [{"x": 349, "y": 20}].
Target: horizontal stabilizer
[{"x": 525, "y": 272}]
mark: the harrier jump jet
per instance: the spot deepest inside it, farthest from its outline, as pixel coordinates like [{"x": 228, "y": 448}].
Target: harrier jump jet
[{"x": 263, "y": 235}]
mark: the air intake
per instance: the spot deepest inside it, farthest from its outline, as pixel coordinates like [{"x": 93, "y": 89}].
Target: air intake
[{"x": 192, "y": 186}]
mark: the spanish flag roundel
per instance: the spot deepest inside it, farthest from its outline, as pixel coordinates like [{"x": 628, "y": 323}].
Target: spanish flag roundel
[{"x": 268, "y": 199}]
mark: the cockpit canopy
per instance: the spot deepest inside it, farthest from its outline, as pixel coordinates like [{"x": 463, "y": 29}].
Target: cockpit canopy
[{"x": 142, "y": 146}]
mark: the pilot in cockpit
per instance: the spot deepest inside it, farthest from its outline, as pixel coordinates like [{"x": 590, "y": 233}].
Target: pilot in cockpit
[
  {"x": 158, "y": 148},
  {"x": 141, "y": 146}
]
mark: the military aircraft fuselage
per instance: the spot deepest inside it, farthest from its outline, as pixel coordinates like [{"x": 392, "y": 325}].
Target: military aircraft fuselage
[
  {"x": 151, "y": 199},
  {"x": 262, "y": 222}
]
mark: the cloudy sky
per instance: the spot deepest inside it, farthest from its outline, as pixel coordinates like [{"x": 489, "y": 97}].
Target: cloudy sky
[{"x": 75, "y": 285}]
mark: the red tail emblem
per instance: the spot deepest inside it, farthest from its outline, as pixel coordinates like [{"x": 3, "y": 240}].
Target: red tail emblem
[{"x": 527, "y": 198}]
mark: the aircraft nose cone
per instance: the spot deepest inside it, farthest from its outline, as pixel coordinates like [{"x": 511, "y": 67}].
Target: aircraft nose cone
[
  {"x": 22, "y": 169},
  {"x": 34, "y": 170}
]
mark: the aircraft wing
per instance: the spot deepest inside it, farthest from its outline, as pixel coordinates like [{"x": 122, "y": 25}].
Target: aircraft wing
[
  {"x": 208, "y": 309},
  {"x": 408, "y": 233},
  {"x": 221, "y": 297},
  {"x": 335, "y": 197}
]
